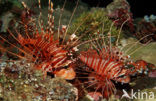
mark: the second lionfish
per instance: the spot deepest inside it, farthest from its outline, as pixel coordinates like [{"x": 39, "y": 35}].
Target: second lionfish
[{"x": 107, "y": 63}]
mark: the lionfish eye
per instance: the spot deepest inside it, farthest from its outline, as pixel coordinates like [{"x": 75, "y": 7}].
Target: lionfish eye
[
  {"x": 130, "y": 66},
  {"x": 121, "y": 76},
  {"x": 92, "y": 78},
  {"x": 26, "y": 45},
  {"x": 117, "y": 52},
  {"x": 34, "y": 56}
]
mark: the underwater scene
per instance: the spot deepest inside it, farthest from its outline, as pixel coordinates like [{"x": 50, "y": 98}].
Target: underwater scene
[{"x": 76, "y": 50}]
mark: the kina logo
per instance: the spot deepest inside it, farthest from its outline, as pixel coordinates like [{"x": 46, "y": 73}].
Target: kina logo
[{"x": 138, "y": 95}]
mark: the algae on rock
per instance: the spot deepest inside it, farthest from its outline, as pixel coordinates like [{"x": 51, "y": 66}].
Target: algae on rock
[
  {"x": 92, "y": 23},
  {"x": 18, "y": 82}
]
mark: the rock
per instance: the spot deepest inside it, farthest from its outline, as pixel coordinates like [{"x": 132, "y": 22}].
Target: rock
[
  {"x": 95, "y": 96},
  {"x": 62, "y": 90},
  {"x": 6, "y": 18},
  {"x": 20, "y": 81}
]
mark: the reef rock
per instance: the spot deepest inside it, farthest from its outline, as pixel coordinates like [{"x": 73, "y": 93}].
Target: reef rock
[{"x": 18, "y": 82}]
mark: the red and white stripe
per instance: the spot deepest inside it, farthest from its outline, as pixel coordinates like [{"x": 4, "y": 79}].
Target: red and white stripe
[{"x": 107, "y": 68}]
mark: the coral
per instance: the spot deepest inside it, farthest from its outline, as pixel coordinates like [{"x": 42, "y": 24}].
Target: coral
[
  {"x": 150, "y": 18},
  {"x": 120, "y": 10},
  {"x": 6, "y": 18},
  {"x": 10, "y": 10},
  {"x": 147, "y": 30},
  {"x": 18, "y": 82},
  {"x": 92, "y": 23}
]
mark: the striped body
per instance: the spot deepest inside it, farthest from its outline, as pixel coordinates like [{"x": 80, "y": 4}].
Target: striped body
[
  {"x": 110, "y": 64},
  {"x": 106, "y": 68},
  {"x": 40, "y": 46},
  {"x": 49, "y": 53}
]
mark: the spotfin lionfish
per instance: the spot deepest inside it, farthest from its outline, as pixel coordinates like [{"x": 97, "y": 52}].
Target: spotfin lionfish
[
  {"x": 40, "y": 45},
  {"x": 107, "y": 63}
]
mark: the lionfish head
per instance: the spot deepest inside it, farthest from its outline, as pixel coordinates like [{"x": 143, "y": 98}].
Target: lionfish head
[{"x": 122, "y": 76}]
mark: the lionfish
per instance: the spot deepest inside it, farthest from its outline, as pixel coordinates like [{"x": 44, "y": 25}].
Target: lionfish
[
  {"x": 107, "y": 63},
  {"x": 40, "y": 45}
]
